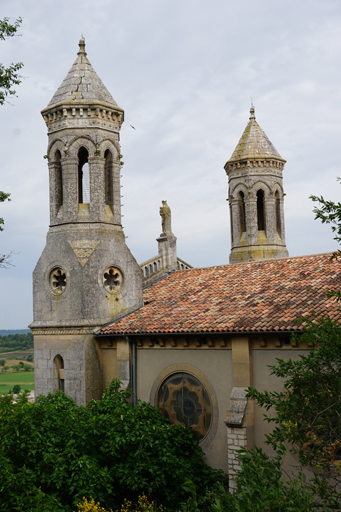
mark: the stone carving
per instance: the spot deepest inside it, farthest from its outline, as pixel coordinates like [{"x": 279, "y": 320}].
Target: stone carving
[
  {"x": 165, "y": 213},
  {"x": 83, "y": 249},
  {"x": 58, "y": 281},
  {"x": 112, "y": 279}
]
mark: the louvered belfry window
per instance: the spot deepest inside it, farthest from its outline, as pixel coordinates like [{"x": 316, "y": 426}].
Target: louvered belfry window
[{"x": 183, "y": 399}]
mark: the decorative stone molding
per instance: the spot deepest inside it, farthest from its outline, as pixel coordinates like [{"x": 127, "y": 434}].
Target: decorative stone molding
[{"x": 83, "y": 249}]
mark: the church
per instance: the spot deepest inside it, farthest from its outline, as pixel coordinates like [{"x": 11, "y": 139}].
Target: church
[{"x": 188, "y": 340}]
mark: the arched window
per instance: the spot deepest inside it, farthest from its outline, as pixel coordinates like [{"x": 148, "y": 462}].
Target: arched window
[
  {"x": 182, "y": 398},
  {"x": 58, "y": 373},
  {"x": 83, "y": 177},
  {"x": 58, "y": 180},
  {"x": 242, "y": 221},
  {"x": 109, "y": 182},
  {"x": 260, "y": 211},
  {"x": 278, "y": 215}
]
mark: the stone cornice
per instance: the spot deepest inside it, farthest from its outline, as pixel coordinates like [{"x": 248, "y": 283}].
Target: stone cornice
[{"x": 255, "y": 163}]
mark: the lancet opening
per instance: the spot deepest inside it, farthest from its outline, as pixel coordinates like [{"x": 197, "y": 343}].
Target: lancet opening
[{"x": 83, "y": 177}]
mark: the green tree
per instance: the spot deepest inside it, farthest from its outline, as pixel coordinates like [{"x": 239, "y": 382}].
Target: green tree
[
  {"x": 9, "y": 76},
  {"x": 21, "y": 363},
  {"x": 329, "y": 212},
  {"x": 2, "y": 362},
  {"x": 16, "y": 367},
  {"x": 28, "y": 367},
  {"x": 108, "y": 450},
  {"x": 307, "y": 413},
  {"x": 30, "y": 358},
  {"x": 5, "y": 368},
  {"x": 16, "y": 389}
]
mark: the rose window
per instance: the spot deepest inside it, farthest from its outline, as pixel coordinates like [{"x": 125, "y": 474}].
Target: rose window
[
  {"x": 58, "y": 281},
  {"x": 183, "y": 399},
  {"x": 112, "y": 279}
]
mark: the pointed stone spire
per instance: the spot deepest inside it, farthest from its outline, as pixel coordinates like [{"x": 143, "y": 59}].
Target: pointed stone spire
[
  {"x": 254, "y": 143},
  {"x": 82, "y": 84},
  {"x": 256, "y": 197}
]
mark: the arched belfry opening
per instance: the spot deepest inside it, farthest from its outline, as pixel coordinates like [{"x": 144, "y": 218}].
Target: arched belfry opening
[
  {"x": 278, "y": 214},
  {"x": 58, "y": 180},
  {"x": 260, "y": 210},
  {"x": 58, "y": 374},
  {"x": 109, "y": 179},
  {"x": 242, "y": 221},
  {"x": 83, "y": 176}
]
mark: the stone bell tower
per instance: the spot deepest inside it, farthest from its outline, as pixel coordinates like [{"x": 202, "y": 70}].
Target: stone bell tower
[
  {"x": 86, "y": 275},
  {"x": 256, "y": 197}
]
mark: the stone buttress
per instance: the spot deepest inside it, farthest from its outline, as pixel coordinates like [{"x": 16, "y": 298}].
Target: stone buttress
[
  {"x": 86, "y": 275},
  {"x": 256, "y": 197}
]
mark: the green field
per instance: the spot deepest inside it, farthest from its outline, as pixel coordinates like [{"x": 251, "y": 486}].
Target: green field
[{"x": 7, "y": 381}]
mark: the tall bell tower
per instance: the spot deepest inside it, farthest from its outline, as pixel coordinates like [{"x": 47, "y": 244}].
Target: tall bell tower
[
  {"x": 256, "y": 197},
  {"x": 86, "y": 275}
]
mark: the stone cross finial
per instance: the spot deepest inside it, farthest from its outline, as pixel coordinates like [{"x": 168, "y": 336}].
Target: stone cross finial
[
  {"x": 252, "y": 112},
  {"x": 165, "y": 213},
  {"x": 82, "y": 47}
]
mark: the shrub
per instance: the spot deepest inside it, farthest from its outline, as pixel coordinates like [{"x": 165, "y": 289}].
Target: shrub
[
  {"x": 108, "y": 450},
  {"x": 16, "y": 389}
]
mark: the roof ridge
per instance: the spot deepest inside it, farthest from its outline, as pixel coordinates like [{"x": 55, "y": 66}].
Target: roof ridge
[{"x": 256, "y": 261}]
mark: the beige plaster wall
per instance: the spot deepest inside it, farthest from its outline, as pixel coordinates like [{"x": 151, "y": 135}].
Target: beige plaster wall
[
  {"x": 216, "y": 365},
  {"x": 262, "y": 380},
  {"x": 109, "y": 365}
]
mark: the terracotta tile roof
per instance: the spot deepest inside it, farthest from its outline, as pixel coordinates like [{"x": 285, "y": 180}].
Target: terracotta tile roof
[{"x": 256, "y": 296}]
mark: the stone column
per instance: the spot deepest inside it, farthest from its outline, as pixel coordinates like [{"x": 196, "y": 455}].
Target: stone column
[
  {"x": 235, "y": 223},
  {"x": 53, "y": 199},
  {"x": 117, "y": 192},
  {"x": 167, "y": 251},
  {"x": 282, "y": 219},
  {"x": 70, "y": 189},
  {"x": 97, "y": 188},
  {"x": 240, "y": 414},
  {"x": 251, "y": 220},
  {"x": 123, "y": 362},
  {"x": 270, "y": 219}
]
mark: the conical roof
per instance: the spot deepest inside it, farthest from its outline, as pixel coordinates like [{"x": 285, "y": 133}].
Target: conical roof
[
  {"x": 82, "y": 84},
  {"x": 254, "y": 143}
]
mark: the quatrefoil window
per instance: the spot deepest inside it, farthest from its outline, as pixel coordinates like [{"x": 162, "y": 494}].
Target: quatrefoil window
[
  {"x": 112, "y": 279},
  {"x": 58, "y": 281}
]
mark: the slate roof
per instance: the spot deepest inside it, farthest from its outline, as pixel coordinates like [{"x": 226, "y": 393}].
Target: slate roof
[
  {"x": 255, "y": 296},
  {"x": 82, "y": 84},
  {"x": 254, "y": 143}
]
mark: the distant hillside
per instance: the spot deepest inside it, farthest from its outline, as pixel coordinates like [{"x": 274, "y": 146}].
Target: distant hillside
[
  {"x": 3, "y": 332},
  {"x": 17, "y": 341}
]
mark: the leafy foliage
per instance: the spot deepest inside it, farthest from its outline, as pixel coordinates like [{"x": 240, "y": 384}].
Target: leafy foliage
[
  {"x": 329, "y": 212},
  {"x": 261, "y": 488},
  {"x": 9, "y": 75},
  {"x": 108, "y": 450},
  {"x": 12, "y": 342},
  {"x": 307, "y": 412},
  {"x": 16, "y": 389},
  {"x": 3, "y": 197}
]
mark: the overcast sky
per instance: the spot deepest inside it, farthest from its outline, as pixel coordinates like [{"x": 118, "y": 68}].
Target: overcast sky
[{"x": 184, "y": 71}]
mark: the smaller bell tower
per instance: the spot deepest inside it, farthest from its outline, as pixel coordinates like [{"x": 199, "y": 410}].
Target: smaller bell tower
[{"x": 256, "y": 197}]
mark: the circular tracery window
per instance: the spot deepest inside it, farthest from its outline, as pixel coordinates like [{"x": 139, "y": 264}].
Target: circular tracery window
[
  {"x": 58, "y": 281},
  {"x": 183, "y": 399},
  {"x": 112, "y": 279}
]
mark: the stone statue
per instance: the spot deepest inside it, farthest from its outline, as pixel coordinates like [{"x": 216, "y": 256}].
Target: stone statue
[{"x": 165, "y": 213}]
